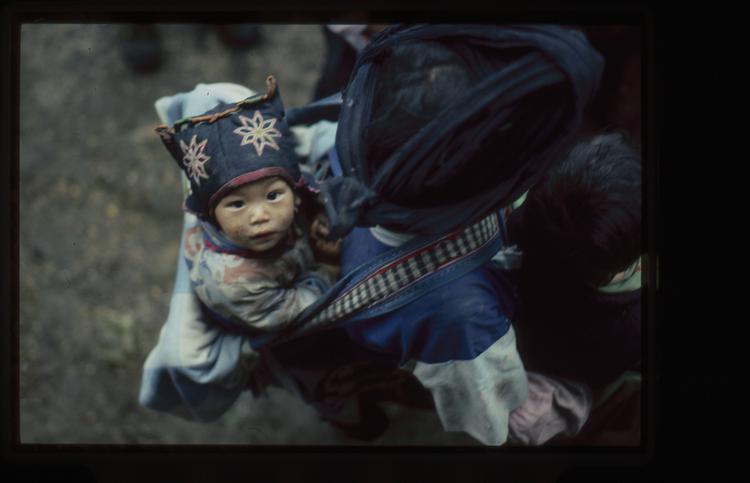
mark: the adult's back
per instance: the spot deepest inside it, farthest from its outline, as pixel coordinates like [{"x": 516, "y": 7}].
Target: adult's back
[{"x": 440, "y": 127}]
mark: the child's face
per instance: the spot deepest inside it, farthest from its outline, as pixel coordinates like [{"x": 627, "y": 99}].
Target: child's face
[{"x": 257, "y": 215}]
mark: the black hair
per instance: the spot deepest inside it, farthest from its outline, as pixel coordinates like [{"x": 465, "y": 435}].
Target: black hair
[
  {"x": 417, "y": 81},
  {"x": 581, "y": 224}
]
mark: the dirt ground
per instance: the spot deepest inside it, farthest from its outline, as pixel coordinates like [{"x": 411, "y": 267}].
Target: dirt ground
[{"x": 100, "y": 228}]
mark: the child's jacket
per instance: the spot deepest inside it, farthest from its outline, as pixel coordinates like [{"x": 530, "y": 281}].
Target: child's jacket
[{"x": 245, "y": 291}]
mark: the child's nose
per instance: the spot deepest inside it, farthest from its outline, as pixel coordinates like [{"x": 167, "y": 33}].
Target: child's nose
[{"x": 258, "y": 214}]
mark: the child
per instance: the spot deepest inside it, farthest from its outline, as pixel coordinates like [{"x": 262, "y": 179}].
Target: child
[
  {"x": 580, "y": 233},
  {"x": 250, "y": 260}
]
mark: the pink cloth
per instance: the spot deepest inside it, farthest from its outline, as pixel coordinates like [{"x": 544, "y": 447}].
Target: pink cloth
[{"x": 554, "y": 407}]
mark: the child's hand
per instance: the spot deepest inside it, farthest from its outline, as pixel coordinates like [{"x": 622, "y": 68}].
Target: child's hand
[{"x": 325, "y": 250}]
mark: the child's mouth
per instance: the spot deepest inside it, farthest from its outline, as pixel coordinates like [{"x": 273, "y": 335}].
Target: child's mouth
[{"x": 263, "y": 236}]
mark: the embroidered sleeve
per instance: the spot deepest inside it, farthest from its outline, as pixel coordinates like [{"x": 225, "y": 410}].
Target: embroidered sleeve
[
  {"x": 260, "y": 294},
  {"x": 266, "y": 305}
]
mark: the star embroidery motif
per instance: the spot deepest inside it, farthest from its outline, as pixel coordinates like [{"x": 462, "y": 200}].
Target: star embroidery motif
[
  {"x": 194, "y": 159},
  {"x": 259, "y": 132}
]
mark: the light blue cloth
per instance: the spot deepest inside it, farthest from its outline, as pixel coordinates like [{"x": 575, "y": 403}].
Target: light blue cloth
[{"x": 196, "y": 370}]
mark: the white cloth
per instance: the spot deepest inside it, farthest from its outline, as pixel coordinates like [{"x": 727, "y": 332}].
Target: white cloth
[
  {"x": 202, "y": 98},
  {"x": 353, "y": 34},
  {"x": 390, "y": 238},
  {"x": 478, "y": 395}
]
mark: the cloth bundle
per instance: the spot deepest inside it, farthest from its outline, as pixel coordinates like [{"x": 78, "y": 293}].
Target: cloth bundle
[{"x": 534, "y": 58}]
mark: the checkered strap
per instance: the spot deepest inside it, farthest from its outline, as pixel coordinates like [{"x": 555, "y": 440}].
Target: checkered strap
[{"x": 400, "y": 274}]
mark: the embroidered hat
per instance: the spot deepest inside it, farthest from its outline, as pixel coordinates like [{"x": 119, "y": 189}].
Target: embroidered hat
[{"x": 231, "y": 145}]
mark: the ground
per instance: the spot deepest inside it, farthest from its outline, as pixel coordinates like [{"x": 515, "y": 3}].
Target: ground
[{"x": 100, "y": 226}]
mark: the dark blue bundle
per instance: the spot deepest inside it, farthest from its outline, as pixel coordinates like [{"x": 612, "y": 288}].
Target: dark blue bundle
[{"x": 498, "y": 135}]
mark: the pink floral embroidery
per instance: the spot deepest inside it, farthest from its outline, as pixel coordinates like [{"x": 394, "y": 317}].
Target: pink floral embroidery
[
  {"x": 194, "y": 159},
  {"x": 244, "y": 269},
  {"x": 259, "y": 132}
]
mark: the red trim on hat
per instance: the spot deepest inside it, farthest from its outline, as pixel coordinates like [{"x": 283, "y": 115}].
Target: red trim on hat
[{"x": 249, "y": 178}]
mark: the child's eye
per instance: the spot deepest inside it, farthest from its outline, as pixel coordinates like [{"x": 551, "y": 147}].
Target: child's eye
[
  {"x": 236, "y": 204},
  {"x": 273, "y": 195}
]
